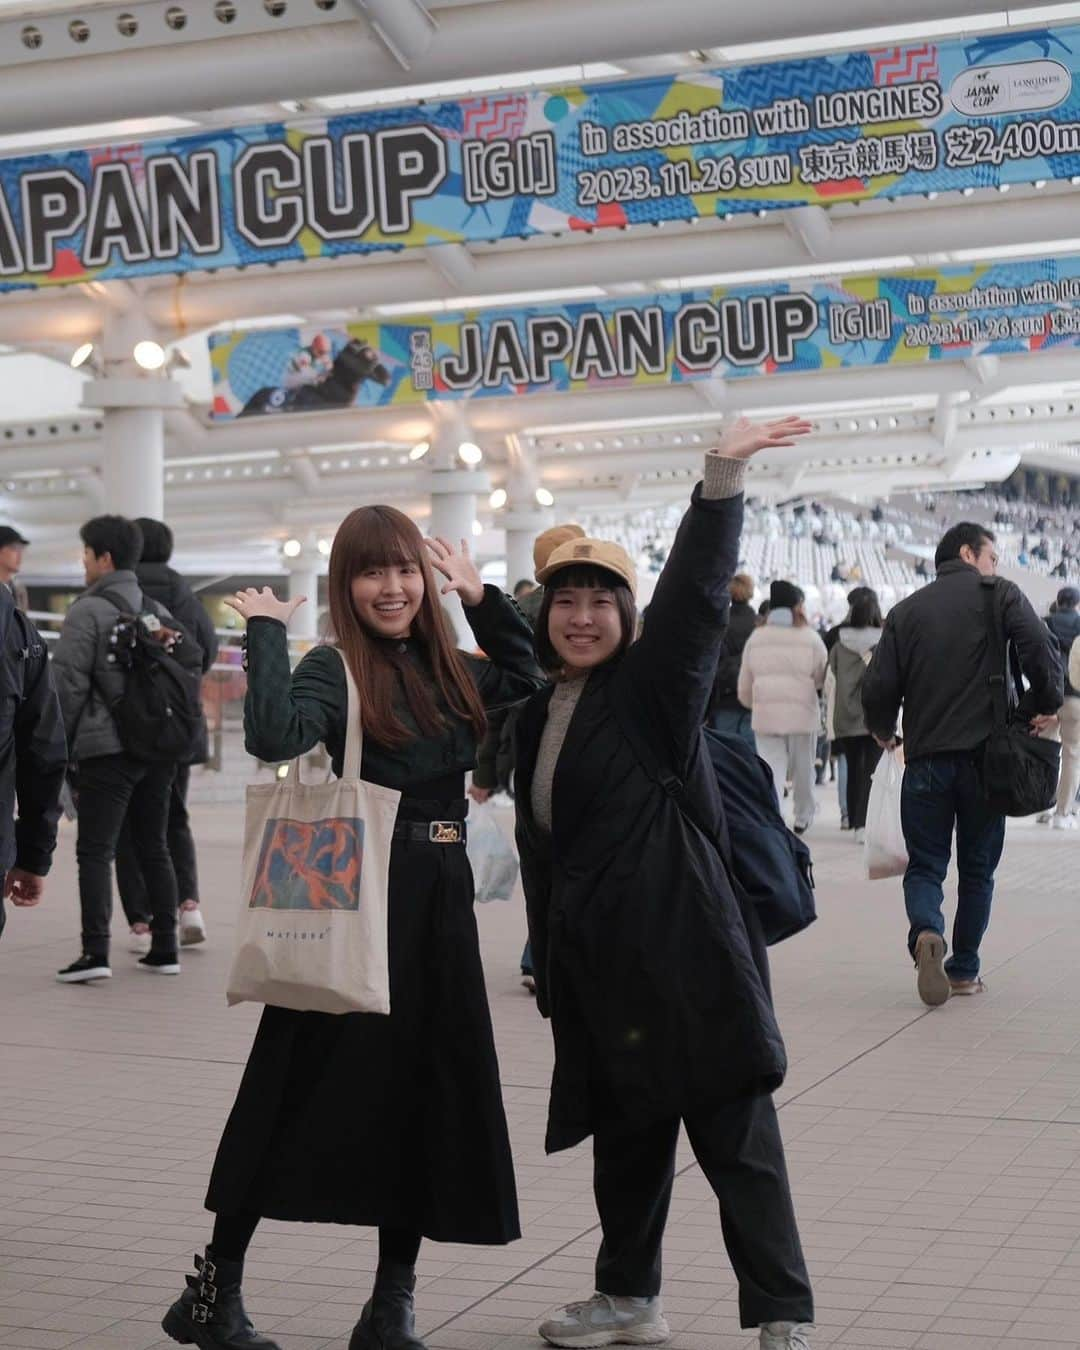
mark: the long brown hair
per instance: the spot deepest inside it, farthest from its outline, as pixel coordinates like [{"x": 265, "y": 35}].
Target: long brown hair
[{"x": 380, "y": 536}]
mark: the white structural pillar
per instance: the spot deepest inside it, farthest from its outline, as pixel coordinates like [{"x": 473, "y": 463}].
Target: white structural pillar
[
  {"x": 453, "y": 510},
  {"x": 304, "y": 580},
  {"x": 521, "y": 528},
  {"x": 133, "y": 404}
]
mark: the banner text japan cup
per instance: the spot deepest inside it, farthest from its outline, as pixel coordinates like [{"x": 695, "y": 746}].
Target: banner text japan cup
[{"x": 888, "y": 122}]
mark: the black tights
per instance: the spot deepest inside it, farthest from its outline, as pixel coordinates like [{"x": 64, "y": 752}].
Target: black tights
[{"x": 233, "y": 1234}]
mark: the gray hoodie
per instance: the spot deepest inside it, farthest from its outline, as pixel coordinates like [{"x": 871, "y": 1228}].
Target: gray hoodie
[
  {"x": 848, "y": 661},
  {"x": 85, "y": 680}
]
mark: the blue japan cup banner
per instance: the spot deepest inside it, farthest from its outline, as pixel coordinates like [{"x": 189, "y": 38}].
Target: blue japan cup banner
[
  {"x": 901, "y": 318},
  {"x": 887, "y": 122}
]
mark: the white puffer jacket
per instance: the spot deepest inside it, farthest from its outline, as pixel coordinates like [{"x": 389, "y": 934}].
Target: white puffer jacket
[{"x": 781, "y": 673}]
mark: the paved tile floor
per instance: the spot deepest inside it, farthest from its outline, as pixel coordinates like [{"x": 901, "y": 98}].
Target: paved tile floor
[{"x": 935, "y": 1156}]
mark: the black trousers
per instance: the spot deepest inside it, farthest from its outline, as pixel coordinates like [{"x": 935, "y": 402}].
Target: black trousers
[
  {"x": 741, "y": 1153},
  {"x": 130, "y": 881},
  {"x": 862, "y": 753},
  {"x": 110, "y": 788}
]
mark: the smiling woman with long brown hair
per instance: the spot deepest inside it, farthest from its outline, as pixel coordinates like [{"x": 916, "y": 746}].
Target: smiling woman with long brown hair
[{"x": 390, "y": 1122}]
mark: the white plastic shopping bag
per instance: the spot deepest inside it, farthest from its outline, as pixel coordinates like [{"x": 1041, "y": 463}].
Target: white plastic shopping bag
[
  {"x": 492, "y": 857},
  {"x": 886, "y": 852},
  {"x": 312, "y": 932}
]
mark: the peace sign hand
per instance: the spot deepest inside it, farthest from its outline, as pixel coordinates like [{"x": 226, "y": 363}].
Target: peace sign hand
[
  {"x": 745, "y": 438},
  {"x": 264, "y": 604},
  {"x": 458, "y": 569}
]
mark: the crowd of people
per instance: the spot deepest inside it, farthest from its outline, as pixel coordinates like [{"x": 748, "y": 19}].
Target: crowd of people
[{"x": 646, "y": 952}]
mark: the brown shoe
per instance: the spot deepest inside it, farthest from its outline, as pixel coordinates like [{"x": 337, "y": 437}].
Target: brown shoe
[
  {"x": 933, "y": 984},
  {"x": 974, "y": 986}
]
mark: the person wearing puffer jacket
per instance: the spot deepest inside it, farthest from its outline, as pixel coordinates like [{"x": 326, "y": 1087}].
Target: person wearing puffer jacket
[
  {"x": 848, "y": 661},
  {"x": 783, "y": 668}
]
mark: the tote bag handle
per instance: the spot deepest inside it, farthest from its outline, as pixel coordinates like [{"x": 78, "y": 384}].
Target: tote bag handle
[{"x": 354, "y": 735}]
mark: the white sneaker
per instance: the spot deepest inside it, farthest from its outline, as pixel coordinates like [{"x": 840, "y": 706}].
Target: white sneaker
[
  {"x": 605, "y": 1319},
  {"x": 1063, "y": 822},
  {"x": 140, "y": 943},
  {"x": 192, "y": 927},
  {"x": 860, "y": 836},
  {"x": 785, "y": 1336}
]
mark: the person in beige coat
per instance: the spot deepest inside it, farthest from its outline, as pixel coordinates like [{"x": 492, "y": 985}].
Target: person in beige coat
[{"x": 783, "y": 668}]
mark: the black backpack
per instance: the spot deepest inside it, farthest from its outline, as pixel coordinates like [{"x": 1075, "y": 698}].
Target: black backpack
[
  {"x": 159, "y": 715},
  {"x": 769, "y": 863}
]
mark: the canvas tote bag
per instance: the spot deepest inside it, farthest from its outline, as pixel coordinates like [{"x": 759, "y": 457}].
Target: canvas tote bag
[{"x": 312, "y": 932}]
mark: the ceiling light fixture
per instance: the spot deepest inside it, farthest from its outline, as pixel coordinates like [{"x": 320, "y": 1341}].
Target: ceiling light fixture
[
  {"x": 470, "y": 453},
  {"x": 419, "y": 450},
  {"x": 497, "y": 500},
  {"x": 81, "y": 355},
  {"x": 292, "y": 548},
  {"x": 544, "y": 497},
  {"x": 149, "y": 355}
]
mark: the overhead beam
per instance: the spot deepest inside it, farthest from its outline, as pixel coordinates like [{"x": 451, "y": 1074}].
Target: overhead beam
[
  {"x": 474, "y": 40},
  {"x": 612, "y": 258}
]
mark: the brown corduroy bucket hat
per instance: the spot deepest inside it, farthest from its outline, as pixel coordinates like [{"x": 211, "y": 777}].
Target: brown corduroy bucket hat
[
  {"x": 591, "y": 553},
  {"x": 545, "y": 544}
]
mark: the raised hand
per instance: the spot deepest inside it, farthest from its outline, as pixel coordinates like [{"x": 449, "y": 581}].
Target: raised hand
[
  {"x": 458, "y": 569},
  {"x": 745, "y": 438},
  {"x": 255, "y": 604}
]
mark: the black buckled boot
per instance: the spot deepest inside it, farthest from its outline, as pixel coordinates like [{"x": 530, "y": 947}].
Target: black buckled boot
[
  {"x": 388, "y": 1322},
  {"x": 210, "y": 1312}
]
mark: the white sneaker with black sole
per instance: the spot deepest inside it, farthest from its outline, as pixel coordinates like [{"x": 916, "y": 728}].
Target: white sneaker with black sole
[
  {"x": 192, "y": 927},
  {"x": 83, "y": 970},
  {"x": 140, "y": 943},
  {"x": 785, "y": 1336},
  {"x": 607, "y": 1319}
]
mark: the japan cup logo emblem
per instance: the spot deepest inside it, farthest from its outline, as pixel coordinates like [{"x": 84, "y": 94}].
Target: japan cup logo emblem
[{"x": 1023, "y": 86}]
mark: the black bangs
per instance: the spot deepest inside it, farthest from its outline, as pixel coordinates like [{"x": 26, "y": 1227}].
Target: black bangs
[{"x": 586, "y": 577}]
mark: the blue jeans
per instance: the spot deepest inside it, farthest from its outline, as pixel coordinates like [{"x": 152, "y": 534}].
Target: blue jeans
[
  {"x": 939, "y": 792},
  {"x": 734, "y": 722}
]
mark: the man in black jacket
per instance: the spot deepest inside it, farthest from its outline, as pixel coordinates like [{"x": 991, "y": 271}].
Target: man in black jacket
[
  {"x": 1064, "y": 623},
  {"x": 934, "y": 659},
  {"x": 726, "y": 713},
  {"x": 161, "y": 583},
  {"x": 33, "y": 758}
]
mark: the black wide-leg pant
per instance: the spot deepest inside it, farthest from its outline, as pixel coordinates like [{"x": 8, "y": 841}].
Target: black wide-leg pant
[{"x": 741, "y": 1153}]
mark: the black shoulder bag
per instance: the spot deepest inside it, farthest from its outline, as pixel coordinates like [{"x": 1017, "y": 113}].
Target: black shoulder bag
[
  {"x": 770, "y": 864},
  {"x": 1019, "y": 770}
]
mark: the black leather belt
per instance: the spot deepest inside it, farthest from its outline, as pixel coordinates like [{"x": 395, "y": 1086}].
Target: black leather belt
[{"x": 431, "y": 831}]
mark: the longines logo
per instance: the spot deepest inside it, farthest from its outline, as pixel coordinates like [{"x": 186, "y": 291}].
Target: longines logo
[{"x": 1022, "y": 86}]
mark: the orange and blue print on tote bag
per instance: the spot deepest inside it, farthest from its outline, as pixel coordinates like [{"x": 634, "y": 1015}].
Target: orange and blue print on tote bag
[{"x": 312, "y": 865}]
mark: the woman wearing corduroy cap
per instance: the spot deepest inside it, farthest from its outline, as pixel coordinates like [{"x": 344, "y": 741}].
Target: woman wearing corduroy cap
[{"x": 652, "y": 971}]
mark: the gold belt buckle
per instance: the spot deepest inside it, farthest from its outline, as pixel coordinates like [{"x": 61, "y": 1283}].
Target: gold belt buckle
[{"x": 445, "y": 832}]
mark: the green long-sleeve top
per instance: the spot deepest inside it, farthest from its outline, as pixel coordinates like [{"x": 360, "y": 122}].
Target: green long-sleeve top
[{"x": 286, "y": 714}]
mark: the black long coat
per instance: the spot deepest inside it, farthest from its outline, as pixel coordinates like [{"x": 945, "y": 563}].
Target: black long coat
[
  {"x": 359, "y": 1118},
  {"x": 653, "y": 973}
]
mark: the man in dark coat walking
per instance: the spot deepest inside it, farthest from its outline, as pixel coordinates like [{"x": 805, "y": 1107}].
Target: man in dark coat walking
[
  {"x": 934, "y": 658},
  {"x": 33, "y": 758},
  {"x": 726, "y": 713},
  {"x": 161, "y": 583},
  {"x": 1064, "y": 623}
]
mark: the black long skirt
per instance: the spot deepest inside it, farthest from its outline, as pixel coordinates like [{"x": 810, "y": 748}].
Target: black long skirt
[{"x": 373, "y": 1120}]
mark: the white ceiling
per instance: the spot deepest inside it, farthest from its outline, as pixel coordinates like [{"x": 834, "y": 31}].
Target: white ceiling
[{"x": 296, "y": 475}]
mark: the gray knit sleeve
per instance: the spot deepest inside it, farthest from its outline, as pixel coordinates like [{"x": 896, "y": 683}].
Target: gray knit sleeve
[{"x": 723, "y": 476}]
